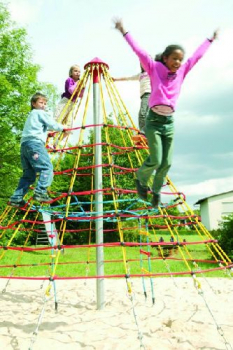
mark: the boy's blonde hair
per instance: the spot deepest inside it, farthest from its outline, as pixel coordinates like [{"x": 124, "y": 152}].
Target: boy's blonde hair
[
  {"x": 36, "y": 97},
  {"x": 71, "y": 69}
]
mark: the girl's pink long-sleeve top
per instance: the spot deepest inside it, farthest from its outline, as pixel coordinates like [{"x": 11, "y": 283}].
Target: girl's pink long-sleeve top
[
  {"x": 70, "y": 86},
  {"x": 164, "y": 84}
]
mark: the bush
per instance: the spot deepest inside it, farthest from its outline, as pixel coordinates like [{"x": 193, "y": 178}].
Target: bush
[{"x": 225, "y": 235}]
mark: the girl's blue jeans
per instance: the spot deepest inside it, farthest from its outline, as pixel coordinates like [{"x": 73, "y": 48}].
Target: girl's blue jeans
[
  {"x": 159, "y": 133},
  {"x": 34, "y": 159}
]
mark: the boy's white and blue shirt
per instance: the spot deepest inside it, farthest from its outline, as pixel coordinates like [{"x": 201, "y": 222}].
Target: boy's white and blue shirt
[{"x": 37, "y": 125}]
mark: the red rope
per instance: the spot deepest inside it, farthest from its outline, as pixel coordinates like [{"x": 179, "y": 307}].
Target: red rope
[
  {"x": 128, "y": 148},
  {"x": 120, "y": 275},
  {"x": 109, "y": 245},
  {"x": 95, "y": 166},
  {"x": 108, "y": 261},
  {"x": 131, "y": 228}
]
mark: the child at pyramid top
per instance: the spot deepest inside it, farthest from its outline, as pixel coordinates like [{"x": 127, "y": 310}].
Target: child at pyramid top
[
  {"x": 167, "y": 74},
  {"x": 64, "y": 110},
  {"x": 145, "y": 90},
  {"x": 34, "y": 156}
]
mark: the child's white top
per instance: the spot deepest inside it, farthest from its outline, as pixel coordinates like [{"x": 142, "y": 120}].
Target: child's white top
[
  {"x": 144, "y": 81},
  {"x": 145, "y": 86}
]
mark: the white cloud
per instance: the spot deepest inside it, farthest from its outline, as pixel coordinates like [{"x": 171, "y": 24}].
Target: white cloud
[
  {"x": 228, "y": 156},
  {"x": 208, "y": 187},
  {"x": 24, "y": 12},
  {"x": 188, "y": 120}
]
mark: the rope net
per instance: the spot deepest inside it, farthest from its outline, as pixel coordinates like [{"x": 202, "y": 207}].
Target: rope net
[{"x": 139, "y": 241}]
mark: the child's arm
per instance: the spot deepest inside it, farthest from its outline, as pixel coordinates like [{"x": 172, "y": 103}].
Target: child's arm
[
  {"x": 65, "y": 129},
  {"x": 81, "y": 93},
  {"x": 144, "y": 57},
  {"x": 71, "y": 85},
  {"x": 49, "y": 122},
  {"x": 199, "y": 53},
  {"x": 133, "y": 77}
]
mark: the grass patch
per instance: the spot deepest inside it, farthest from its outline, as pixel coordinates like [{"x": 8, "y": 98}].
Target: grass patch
[{"x": 81, "y": 261}]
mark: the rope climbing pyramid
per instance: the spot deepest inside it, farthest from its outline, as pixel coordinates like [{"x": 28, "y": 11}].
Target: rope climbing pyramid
[{"x": 96, "y": 227}]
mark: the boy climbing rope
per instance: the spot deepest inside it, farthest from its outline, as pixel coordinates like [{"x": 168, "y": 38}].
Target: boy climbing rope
[
  {"x": 34, "y": 157},
  {"x": 166, "y": 74}
]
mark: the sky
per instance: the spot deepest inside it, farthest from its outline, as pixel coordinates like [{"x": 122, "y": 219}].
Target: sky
[{"x": 65, "y": 32}]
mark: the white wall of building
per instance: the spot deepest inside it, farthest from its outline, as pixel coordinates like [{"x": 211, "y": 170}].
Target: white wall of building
[
  {"x": 205, "y": 218},
  {"x": 214, "y": 208}
]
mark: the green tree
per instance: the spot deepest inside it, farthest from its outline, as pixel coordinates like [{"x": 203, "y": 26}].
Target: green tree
[
  {"x": 225, "y": 235},
  {"x": 18, "y": 82}
]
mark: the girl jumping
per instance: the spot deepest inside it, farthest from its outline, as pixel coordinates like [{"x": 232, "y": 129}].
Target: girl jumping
[{"x": 166, "y": 74}]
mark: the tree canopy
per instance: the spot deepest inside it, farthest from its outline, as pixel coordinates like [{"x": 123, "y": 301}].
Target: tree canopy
[{"x": 18, "y": 82}]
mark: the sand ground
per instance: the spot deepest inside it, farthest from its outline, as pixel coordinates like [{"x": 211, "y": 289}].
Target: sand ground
[{"x": 181, "y": 318}]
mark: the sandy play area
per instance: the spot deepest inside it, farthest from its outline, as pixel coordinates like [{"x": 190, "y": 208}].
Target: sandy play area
[{"x": 179, "y": 319}]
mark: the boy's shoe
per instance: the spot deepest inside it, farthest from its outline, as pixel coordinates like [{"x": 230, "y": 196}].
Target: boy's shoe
[
  {"x": 155, "y": 200},
  {"x": 141, "y": 190},
  {"x": 17, "y": 204},
  {"x": 41, "y": 197}
]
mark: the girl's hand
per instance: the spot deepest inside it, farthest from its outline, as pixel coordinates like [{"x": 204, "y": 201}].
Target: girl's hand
[
  {"x": 215, "y": 35},
  {"x": 119, "y": 25}
]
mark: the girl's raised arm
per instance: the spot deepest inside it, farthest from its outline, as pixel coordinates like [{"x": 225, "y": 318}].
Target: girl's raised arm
[
  {"x": 215, "y": 35},
  {"x": 119, "y": 25},
  {"x": 145, "y": 59},
  {"x": 200, "y": 51}
]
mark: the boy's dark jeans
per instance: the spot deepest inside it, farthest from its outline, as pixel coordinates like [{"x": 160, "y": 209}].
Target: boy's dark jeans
[
  {"x": 34, "y": 159},
  {"x": 159, "y": 133}
]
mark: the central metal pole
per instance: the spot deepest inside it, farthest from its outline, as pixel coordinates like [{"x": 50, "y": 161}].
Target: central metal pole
[{"x": 98, "y": 195}]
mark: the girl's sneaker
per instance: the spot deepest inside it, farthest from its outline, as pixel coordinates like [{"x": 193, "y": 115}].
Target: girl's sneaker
[
  {"x": 156, "y": 198},
  {"x": 141, "y": 190}
]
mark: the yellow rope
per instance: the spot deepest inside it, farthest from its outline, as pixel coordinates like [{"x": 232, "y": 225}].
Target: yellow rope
[
  {"x": 5, "y": 213},
  {"x": 73, "y": 178},
  {"x": 10, "y": 221},
  {"x": 16, "y": 231},
  {"x": 112, "y": 182},
  {"x": 201, "y": 229}
]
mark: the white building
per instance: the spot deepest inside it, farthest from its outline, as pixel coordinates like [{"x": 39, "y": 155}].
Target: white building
[{"x": 214, "y": 208}]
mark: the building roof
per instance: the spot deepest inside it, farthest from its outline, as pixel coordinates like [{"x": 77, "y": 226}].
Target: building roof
[{"x": 214, "y": 195}]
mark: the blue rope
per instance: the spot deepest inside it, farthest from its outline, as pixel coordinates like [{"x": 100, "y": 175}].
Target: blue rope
[
  {"x": 141, "y": 261},
  {"x": 149, "y": 264}
]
